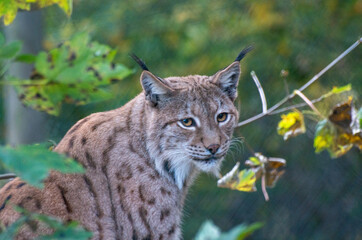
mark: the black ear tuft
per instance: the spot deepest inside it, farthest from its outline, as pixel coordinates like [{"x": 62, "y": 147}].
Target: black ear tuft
[
  {"x": 227, "y": 79},
  {"x": 243, "y": 53},
  {"x": 155, "y": 88},
  {"x": 139, "y": 61}
]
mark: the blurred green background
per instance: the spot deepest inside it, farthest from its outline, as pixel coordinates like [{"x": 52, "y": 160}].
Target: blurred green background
[{"x": 318, "y": 197}]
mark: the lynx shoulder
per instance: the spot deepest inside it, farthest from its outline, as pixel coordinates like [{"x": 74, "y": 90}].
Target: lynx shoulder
[{"x": 140, "y": 159}]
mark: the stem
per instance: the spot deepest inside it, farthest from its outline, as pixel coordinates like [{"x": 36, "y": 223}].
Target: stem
[
  {"x": 299, "y": 105},
  {"x": 7, "y": 176},
  {"x": 310, "y": 104},
  {"x": 263, "y": 188},
  {"x": 261, "y": 91},
  {"x": 302, "y": 88},
  {"x": 324, "y": 70}
]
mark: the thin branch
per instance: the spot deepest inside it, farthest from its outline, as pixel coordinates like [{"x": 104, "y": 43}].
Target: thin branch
[
  {"x": 261, "y": 91},
  {"x": 302, "y": 88},
  {"x": 310, "y": 104},
  {"x": 263, "y": 188},
  {"x": 299, "y": 105},
  {"x": 303, "y": 104},
  {"x": 324, "y": 70},
  {"x": 7, "y": 176}
]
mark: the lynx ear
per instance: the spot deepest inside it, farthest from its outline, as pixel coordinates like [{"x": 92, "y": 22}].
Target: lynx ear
[
  {"x": 155, "y": 88},
  {"x": 228, "y": 80}
]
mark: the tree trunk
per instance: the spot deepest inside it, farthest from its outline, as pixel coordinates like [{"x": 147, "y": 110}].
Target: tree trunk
[{"x": 23, "y": 125}]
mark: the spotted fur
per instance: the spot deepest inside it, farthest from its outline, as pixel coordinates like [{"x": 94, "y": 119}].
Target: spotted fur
[{"x": 140, "y": 160}]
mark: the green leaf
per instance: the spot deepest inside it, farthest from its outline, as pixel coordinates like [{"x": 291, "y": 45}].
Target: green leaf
[
  {"x": 337, "y": 90},
  {"x": 75, "y": 73},
  {"x": 324, "y": 136},
  {"x": 208, "y": 231},
  {"x": 240, "y": 232},
  {"x": 32, "y": 163},
  {"x": 359, "y": 117},
  {"x": 10, "y": 50},
  {"x": 25, "y": 58},
  {"x": 346, "y": 88}
]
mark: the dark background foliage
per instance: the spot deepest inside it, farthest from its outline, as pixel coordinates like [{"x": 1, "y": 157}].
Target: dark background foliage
[{"x": 318, "y": 197}]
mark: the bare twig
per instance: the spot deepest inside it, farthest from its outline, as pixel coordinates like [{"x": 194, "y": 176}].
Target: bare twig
[
  {"x": 261, "y": 92},
  {"x": 263, "y": 188},
  {"x": 302, "y": 88},
  {"x": 324, "y": 70},
  {"x": 7, "y": 176},
  {"x": 299, "y": 105},
  {"x": 310, "y": 104}
]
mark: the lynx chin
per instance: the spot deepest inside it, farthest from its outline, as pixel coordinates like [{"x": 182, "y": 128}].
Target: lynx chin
[{"x": 140, "y": 159}]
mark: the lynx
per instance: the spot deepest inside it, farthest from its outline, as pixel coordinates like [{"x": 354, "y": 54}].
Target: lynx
[{"x": 140, "y": 159}]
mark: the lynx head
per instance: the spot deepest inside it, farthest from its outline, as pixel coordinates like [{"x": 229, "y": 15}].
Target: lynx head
[{"x": 191, "y": 120}]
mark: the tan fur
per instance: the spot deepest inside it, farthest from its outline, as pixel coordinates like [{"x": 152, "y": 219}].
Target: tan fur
[{"x": 140, "y": 160}]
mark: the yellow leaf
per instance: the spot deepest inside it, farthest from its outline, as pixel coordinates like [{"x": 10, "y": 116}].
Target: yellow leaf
[
  {"x": 291, "y": 125},
  {"x": 345, "y": 141},
  {"x": 322, "y": 142},
  {"x": 253, "y": 162},
  {"x": 356, "y": 140},
  {"x": 66, "y": 5},
  {"x": 337, "y": 90},
  {"x": 336, "y": 140},
  {"x": 235, "y": 180},
  {"x": 9, "y": 17},
  {"x": 246, "y": 181}
]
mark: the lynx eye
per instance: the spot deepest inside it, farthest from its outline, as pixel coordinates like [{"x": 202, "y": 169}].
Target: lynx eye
[
  {"x": 188, "y": 122},
  {"x": 221, "y": 117}
]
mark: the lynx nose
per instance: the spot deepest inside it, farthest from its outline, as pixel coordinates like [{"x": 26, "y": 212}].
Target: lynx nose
[{"x": 213, "y": 148}]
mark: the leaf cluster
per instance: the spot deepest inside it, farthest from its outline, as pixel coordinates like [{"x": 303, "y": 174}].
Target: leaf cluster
[
  {"x": 238, "y": 180},
  {"x": 337, "y": 133},
  {"x": 76, "y": 72},
  {"x": 341, "y": 131},
  {"x": 268, "y": 169},
  {"x": 9, "y": 8}
]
